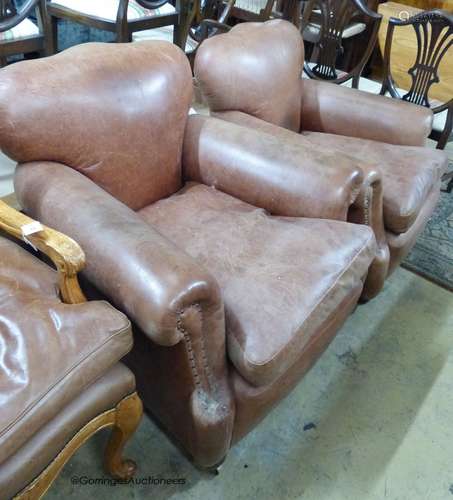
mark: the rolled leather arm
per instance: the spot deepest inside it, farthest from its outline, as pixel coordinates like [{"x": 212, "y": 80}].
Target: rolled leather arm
[
  {"x": 366, "y": 208},
  {"x": 137, "y": 268},
  {"x": 281, "y": 176},
  {"x": 335, "y": 109}
]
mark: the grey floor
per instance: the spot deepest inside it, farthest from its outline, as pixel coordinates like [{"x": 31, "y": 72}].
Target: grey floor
[{"x": 381, "y": 403}]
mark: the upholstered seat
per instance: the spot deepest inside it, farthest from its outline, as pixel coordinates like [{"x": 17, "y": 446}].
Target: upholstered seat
[
  {"x": 82, "y": 342},
  {"x": 312, "y": 31},
  {"x": 410, "y": 173},
  {"x": 24, "y": 29},
  {"x": 108, "y": 9},
  {"x": 279, "y": 276}
]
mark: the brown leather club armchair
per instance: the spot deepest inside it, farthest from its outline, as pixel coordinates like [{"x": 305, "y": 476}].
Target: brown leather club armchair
[
  {"x": 60, "y": 376},
  {"x": 228, "y": 250},
  {"x": 252, "y": 76}
]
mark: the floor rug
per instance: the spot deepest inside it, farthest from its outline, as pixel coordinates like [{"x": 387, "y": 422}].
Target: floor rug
[{"x": 432, "y": 255}]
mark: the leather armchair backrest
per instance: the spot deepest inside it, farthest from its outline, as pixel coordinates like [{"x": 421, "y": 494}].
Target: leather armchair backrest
[
  {"x": 114, "y": 112},
  {"x": 254, "y": 68}
]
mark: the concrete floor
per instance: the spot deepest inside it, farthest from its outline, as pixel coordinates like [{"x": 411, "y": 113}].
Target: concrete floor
[{"x": 380, "y": 399}]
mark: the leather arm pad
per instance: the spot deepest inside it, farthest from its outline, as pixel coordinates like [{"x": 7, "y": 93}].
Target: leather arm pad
[
  {"x": 139, "y": 270},
  {"x": 280, "y": 175},
  {"x": 335, "y": 109}
]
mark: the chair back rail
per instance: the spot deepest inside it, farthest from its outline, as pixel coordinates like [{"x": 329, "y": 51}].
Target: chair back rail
[
  {"x": 434, "y": 35},
  {"x": 333, "y": 17}
]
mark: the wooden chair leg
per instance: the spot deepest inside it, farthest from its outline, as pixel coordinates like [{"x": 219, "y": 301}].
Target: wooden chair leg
[
  {"x": 123, "y": 35},
  {"x": 51, "y": 39},
  {"x": 124, "y": 419},
  {"x": 128, "y": 415}
]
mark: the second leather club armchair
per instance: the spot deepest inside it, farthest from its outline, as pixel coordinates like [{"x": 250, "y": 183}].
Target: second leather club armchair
[
  {"x": 228, "y": 251},
  {"x": 252, "y": 76}
]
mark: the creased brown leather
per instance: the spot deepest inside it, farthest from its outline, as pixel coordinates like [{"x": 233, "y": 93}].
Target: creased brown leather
[
  {"x": 367, "y": 207},
  {"x": 408, "y": 173},
  {"x": 162, "y": 289},
  {"x": 279, "y": 276},
  {"x": 400, "y": 244},
  {"x": 335, "y": 109},
  {"x": 381, "y": 134},
  {"x": 285, "y": 178},
  {"x": 50, "y": 351},
  {"x": 233, "y": 78},
  {"x": 173, "y": 265},
  {"x": 114, "y": 112}
]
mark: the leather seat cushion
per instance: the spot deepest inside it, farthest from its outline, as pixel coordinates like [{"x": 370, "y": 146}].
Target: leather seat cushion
[
  {"x": 409, "y": 173},
  {"x": 280, "y": 277},
  {"x": 49, "y": 351}
]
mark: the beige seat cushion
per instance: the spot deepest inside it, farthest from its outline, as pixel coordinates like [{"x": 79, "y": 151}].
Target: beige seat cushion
[
  {"x": 108, "y": 9},
  {"x": 280, "y": 277},
  {"x": 49, "y": 351},
  {"x": 409, "y": 173}
]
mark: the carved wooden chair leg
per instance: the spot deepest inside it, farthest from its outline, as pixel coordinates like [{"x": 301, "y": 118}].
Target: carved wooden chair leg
[{"x": 128, "y": 415}]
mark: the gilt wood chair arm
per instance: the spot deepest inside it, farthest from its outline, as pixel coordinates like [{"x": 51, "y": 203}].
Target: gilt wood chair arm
[{"x": 64, "y": 252}]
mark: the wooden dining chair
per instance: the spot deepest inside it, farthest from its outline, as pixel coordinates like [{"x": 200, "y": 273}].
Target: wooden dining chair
[
  {"x": 124, "y": 18},
  {"x": 434, "y": 35},
  {"x": 252, "y": 10},
  {"x": 326, "y": 27},
  {"x": 206, "y": 18},
  {"x": 18, "y": 34}
]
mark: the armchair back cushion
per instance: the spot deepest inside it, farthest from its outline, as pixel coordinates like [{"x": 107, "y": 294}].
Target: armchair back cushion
[
  {"x": 116, "y": 117},
  {"x": 256, "y": 70}
]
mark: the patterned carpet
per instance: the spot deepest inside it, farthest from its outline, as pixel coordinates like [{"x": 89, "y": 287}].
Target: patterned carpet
[{"x": 432, "y": 256}]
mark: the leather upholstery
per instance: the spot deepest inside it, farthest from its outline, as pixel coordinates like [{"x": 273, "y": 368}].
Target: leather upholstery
[
  {"x": 119, "y": 131},
  {"x": 384, "y": 137},
  {"x": 400, "y": 244},
  {"x": 17, "y": 471},
  {"x": 283, "y": 178},
  {"x": 276, "y": 100},
  {"x": 335, "y": 109},
  {"x": 366, "y": 207},
  {"x": 181, "y": 266},
  {"x": 81, "y": 343},
  {"x": 409, "y": 173},
  {"x": 265, "y": 266}
]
